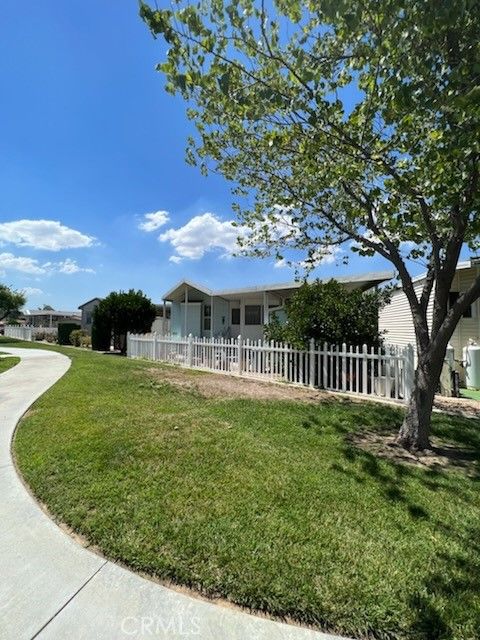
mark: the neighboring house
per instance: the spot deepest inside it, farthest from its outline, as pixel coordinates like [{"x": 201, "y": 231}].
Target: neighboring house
[
  {"x": 198, "y": 310},
  {"x": 49, "y": 318},
  {"x": 87, "y": 309},
  {"x": 396, "y": 320}
]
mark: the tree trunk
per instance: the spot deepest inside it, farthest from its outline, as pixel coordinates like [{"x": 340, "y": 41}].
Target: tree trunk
[{"x": 414, "y": 433}]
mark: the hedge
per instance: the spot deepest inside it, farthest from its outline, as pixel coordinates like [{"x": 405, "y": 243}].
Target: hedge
[{"x": 64, "y": 331}]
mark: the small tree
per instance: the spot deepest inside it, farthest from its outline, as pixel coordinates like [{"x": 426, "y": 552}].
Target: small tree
[
  {"x": 10, "y": 302},
  {"x": 121, "y": 312},
  {"x": 329, "y": 312},
  {"x": 346, "y": 121}
]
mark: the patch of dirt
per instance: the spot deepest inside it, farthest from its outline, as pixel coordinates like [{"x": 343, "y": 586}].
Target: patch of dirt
[
  {"x": 212, "y": 385},
  {"x": 465, "y": 407},
  {"x": 442, "y": 455}
]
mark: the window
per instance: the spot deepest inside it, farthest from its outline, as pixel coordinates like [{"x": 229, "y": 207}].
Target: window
[
  {"x": 452, "y": 298},
  {"x": 253, "y": 314},
  {"x": 235, "y": 316},
  {"x": 207, "y": 317},
  {"x": 88, "y": 319}
]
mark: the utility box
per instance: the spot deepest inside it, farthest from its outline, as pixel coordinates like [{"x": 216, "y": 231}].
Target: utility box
[{"x": 471, "y": 362}]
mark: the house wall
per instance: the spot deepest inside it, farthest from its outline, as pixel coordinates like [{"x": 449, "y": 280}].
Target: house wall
[
  {"x": 177, "y": 319},
  {"x": 221, "y": 318},
  {"x": 396, "y": 320},
  {"x": 87, "y": 315}
]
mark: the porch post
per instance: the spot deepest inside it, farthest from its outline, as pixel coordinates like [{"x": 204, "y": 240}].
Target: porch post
[
  {"x": 211, "y": 316},
  {"x": 242, "y": 316},
  {"x": 186, "y": 308},
  {"x": 265, "y": 307}
]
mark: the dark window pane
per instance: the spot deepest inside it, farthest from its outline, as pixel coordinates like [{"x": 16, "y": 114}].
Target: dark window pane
[
  {"x": 253, "y": 314},
  {"x": 235, "y": 316}
]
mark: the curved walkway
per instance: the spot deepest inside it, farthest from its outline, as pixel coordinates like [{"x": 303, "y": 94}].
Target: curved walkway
[{"x": 53, "y": 588}]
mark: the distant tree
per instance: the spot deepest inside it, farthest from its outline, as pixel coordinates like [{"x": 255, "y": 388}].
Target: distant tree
[
  {"x": 10, "y": 302},
  {"x": 119, "y": 313},
  {"x": 328, "y": 312},
  {"x": 46, "y": 307}
]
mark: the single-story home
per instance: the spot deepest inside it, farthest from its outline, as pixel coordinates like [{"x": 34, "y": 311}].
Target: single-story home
[
  {"x": 87, "y": 309},
  {"x": 49, "y": 318},
  {"x": 228, "y": 313},
  {"x": 396, "y": 322}
]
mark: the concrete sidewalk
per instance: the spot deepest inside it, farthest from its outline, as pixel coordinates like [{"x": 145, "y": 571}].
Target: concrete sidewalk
[{"x": 53, "y": 588}]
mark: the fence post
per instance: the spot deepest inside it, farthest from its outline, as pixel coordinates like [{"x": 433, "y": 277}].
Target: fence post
[
  {"x": 409, "y": 376},
  {"x": 311, "y": 362},
  {"x": 365, "y": 369},
  {"x": 129, "y": 346},
  {"x": 189, "y": 350},
  {"x": 240, "y": 355}
]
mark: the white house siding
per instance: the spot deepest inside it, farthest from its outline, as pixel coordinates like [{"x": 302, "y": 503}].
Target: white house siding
[{"x": 396, "y": 321}]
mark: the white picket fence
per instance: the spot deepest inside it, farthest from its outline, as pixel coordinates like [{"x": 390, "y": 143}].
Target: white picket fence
[
  {"x": 27, "y": 333},
  {"x": 19, "y": 332},
  {"x": 386, "y": 372}
]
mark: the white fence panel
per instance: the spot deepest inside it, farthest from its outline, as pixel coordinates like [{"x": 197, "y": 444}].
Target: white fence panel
[
  {"x": 386, "y": 372},
  {"x": 19, "y": 332}
]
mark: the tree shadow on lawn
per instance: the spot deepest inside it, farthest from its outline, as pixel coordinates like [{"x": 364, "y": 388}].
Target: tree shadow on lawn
[{"x": 453, "y": 583}]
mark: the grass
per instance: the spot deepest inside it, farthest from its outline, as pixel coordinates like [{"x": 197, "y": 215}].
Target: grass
[
  {"x": 470, "y": 393},
  {"x": 265, "y": 504},
  {"x": 8, "y": 363}
]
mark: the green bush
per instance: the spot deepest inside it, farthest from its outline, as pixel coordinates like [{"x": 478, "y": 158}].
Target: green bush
[
  {"x": 101, "y": 334},
  {"x": 80, "y": 338},
  {"x": 329, "y": 312},
  {"x": 64, "y": 331},
  {"x": 119, "y": 313}
]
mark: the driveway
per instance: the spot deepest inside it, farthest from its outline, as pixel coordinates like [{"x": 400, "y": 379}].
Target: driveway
[{"x": 53, "y": 588}]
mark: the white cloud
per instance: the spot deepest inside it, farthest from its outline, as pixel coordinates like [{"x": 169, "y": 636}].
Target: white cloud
[
  {"x": 9, "y": 262},
  {"x": 70, "y": 266},
  {"x": 201, "y": 234},
  {"x": 49, "y": 235},
  {"x": 281, "y": 264},
  {"x": 31, "y": 266},
  {"x": 153, "y": 221},
  {"x": 32, "y": 291}
]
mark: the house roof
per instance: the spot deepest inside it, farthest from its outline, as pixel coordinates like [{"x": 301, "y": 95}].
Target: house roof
[
  {"x": 465, "y": 264},
  {"x": 50, "y": 312},
  {"x": 80, "y": 306},
  {"x": 364, "y": 281}
]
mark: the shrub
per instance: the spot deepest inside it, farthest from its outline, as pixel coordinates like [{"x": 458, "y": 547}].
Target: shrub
[
  {"x": 64, "y": 331},
  {"x": 329, "y": 312},
  {"x": 119, "y": 313},
  {"x": 50, "y": 337},
  {"x": 78, "y": 337},
  {"x": 39, "y": 335}
]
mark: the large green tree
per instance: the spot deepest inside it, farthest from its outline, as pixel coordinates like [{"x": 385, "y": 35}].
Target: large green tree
[
  {"x": 119, "y": 313},
  {"x": 329, "y": 312},
  {"x": 344, "y": 121},
  {"x": 10, "y": 302}
]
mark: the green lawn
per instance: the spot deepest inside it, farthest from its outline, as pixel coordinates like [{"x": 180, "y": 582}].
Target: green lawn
[
  {"x": 470, "y": 393},
  {"x": 8, "y": 363},
  {"x": 263, "y": 503}
]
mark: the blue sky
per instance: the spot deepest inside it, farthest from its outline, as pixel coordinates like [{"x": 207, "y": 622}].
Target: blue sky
[{"x": 90, "y": 143}]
